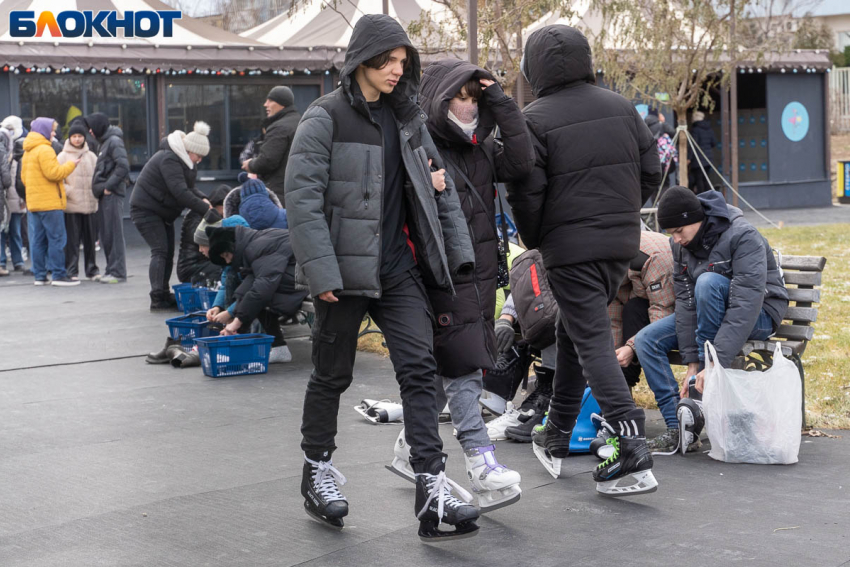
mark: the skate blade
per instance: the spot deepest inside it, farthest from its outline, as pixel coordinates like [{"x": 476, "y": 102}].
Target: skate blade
[
  {"x": 552, "y": 466},
  {"x": 401, "y": 471},
  {"x": 461, "y": 532},
  {"x": 645, "y": 483},
  {"x": 512, "y": 498},
  {"x": 332, "y": 523}
]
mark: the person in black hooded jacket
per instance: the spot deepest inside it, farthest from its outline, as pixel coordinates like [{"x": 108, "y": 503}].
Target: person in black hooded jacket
[
  {"x": 267, "y": 292},
  {"x": 596, "y": 163},
  {"x": 166, "y": 186},
  {"x": 464, "y": 105},
  {"x": 109, "y": 185},
  {"x": 705, "y": 139}
]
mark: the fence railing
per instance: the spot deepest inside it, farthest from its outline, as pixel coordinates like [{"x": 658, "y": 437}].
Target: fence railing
[{"x": 839, "y": 99}]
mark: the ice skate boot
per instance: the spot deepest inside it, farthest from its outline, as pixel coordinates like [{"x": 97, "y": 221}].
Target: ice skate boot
[
  {"x": 551, "y": 444},
  {"x": 401, "y": 459},
  {"x": 534, "y": 407},
  {"x": 495, "y": 485},
  {"x": 496, "y": 428},
  {"x": 600, "y": 446},
  {"x": 502, "y": 382},
  {"x": 435, "y": 504},
  {"x": 628, "y": 471},
  {"x": 691, "y": 419},
  {"x": 322, "y": 499},
  {"x": 380, "y": 411},
  {"x": 162, "y": 357}
]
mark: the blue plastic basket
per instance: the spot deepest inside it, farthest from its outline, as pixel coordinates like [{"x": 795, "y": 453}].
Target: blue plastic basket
[
  {"x": 187, "y": 328},
  {"x": 188, "y": 298},
  {"x": 206, "y": 296},
  {"x": 235, "y": 355}
]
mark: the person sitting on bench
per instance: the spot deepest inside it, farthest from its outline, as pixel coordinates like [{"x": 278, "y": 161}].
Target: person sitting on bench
[{"x": 728, "y": 287}]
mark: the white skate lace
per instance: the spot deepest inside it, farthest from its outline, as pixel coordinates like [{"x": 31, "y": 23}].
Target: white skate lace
[
  {"x": 602, "y": 423},
  {"x": 440, "y": 487},
  {"x": 325, "y": 480}
]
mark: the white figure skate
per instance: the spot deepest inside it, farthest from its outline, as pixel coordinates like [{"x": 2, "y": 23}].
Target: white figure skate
[
  {"x": 495, "y": 485},
  {"x": 380, "y": 411},
  {"x": 401, "y": 459}
]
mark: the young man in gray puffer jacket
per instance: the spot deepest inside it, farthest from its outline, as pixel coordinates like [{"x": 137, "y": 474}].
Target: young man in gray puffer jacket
[
  {"x": 358, "y": 186},
  {"x": 728, "y": 287}
]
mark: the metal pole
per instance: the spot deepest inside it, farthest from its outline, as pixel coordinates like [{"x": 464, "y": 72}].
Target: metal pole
[
  {"x": 472, "y": 39},
  {"x": 733, "y": 106},
  {"x": 386, "y": 7},
  {"x": 519, "y": 96}
]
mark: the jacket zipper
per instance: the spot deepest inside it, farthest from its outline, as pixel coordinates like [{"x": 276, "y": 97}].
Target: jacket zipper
[
  {"x": 380, "y": 205},
  {"x": 366, "y": 178}
]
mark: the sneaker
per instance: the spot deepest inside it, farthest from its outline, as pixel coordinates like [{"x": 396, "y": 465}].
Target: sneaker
[
  {"x": 74, "y": 278},
  {"x": 159, "y": 306},
  {"x": 41, "y": 282},
  {"x": 280, "y": 354},
  {"x": 3, "y": 271},
  {"x": 19, "y": 268},
  {"x": 95, "y": 278},
  {"x": 110, "y": 279},
  {"x": 496, "y": 428},
  {"x": 668, "y": 442},
  {"x": 65, "y": 282}
]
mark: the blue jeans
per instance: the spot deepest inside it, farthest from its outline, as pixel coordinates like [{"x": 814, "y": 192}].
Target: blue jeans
[
  {"x": 14, "y": 240},
  {"x": 47, "y": 244},
  {"x": 654, "y": 342}
]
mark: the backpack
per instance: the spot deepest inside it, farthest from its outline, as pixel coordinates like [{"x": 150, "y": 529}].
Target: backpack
[
  {"x": 666, "y": 150},
  {"x": 535, "y": 305}
]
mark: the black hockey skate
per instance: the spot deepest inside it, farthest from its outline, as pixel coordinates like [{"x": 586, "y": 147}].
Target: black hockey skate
[
  {"x": 436, "y": 505},
  {"x": 690, "y": 417},
  {"x": 631, "y": 460},
  {"x": 551, "y": 444},
  {"x": 322, "y": 499}
]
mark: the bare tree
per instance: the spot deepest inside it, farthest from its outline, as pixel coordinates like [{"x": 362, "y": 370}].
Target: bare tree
[
  {"x": 500, "y": 27},
  {"x": 670, "y": 51}
]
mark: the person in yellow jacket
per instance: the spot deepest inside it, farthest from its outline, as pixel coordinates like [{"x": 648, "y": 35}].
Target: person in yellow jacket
[{"x": 43, "y": 177}]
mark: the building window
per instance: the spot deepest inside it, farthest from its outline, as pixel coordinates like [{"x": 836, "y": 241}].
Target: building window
[
  {"x": 752, "y": 128},
  {"x": 247, "y": 113},
  {"x": 123, "y": 100},
  {"x": 59, "y": 98},
  {"x": 186, "y": 104}
]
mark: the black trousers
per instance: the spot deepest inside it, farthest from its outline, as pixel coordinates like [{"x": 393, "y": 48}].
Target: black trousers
[
  {"x": 635, "y": 318},
  {"x": 80, "y": 228},
  {"x": 159, "y": 235},
  {"x": 585, "y": 345},
  {"x": 403, "y": 316}
]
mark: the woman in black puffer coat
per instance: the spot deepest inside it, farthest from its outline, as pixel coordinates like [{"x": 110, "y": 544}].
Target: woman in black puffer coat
[
  {"x": 464, "y": 106},
  {"x": 163, "y": 189}
]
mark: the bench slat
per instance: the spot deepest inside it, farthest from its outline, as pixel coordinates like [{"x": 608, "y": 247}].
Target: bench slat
[
  {"x": 807, "y": 314},
  {"x": 803, "y": 295},
  {"x": 803, "y": 278},
  {"x": 789, "y": 348},
  {"x": 804, "y": 263},
  {"x": 796, "y": 332}
]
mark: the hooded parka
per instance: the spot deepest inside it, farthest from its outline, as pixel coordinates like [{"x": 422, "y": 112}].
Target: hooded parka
[
  {"x": 464, "y": 340},
  {"x": 42, "y": 175},
  {"x": 113, "y": 167},
  {"x": 272, "y": 149},
  {"x": 596, "y": 160},
  {"x": 730, "y": 246},
  {"x": 334, "y": 182}
]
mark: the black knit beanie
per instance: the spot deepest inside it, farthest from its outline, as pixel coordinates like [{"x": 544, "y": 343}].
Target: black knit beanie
[
  {"x": 679, "y": 207},
  {"x": 78, "y": 128},
  {"x": 219, "y": 194},
  {"x": 282, "y": 95}
]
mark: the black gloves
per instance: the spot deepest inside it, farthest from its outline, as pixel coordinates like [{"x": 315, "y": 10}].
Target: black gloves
[{"x": 504, "y": 335}]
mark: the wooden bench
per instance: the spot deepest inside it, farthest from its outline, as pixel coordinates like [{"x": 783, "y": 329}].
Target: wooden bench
[{"x": 802, "y": 277}]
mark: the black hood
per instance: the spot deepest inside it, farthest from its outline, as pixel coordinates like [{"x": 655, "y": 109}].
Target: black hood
[
  {"x": 555, "y": 57},
  {"x": 701, "y": 125},
  {"x": 718, "y": 218},
  {"x": 654, "y": 125},
  {"x": 440, "y": 82},
  {"x": 110, "y": 132},
  {"x": 374, "y": 34}
]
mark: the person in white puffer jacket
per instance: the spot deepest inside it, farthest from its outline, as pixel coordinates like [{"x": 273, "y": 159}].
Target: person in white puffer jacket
[{"x": 82, "y": 205}]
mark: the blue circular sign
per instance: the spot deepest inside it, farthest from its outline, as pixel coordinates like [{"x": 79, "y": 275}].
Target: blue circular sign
[{"x": 795, "y": 121}]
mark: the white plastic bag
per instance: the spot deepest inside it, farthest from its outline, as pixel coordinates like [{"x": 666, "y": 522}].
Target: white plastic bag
[{"x": 753, "y": 417}]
